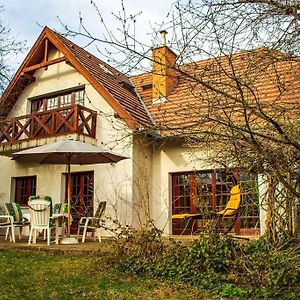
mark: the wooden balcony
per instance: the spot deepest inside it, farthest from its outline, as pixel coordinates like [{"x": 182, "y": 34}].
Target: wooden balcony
[{"x": 60, "y": 121}]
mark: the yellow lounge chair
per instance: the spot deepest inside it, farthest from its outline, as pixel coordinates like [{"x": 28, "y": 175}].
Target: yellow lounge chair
[{"x": 230, "y": 212}]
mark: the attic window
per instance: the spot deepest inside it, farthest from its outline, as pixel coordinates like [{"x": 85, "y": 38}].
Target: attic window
[
  {"x": 147, "y": 86},
  {"x": 106, "y": 70},
  {"x": 127, "y": 85}
]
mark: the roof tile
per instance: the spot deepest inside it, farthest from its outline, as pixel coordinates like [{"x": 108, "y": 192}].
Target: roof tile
[
  {"x": 265, "y": 77},
  {"x": 111, "y": 80}
]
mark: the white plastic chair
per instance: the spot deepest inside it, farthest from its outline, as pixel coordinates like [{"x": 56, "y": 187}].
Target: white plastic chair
[
  {"x": 40, "y": 218},
  {"x": 92, "y": 223}
]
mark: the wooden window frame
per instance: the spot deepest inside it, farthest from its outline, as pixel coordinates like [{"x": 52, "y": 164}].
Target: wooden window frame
[
  {"x": 45, "y": 101},
  {"x": 210, "y": 190},
  {"x": 27, "y": 185}
]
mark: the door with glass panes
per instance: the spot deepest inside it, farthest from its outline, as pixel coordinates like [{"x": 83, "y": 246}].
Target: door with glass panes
[
  {"x": 204, "y": 191},
  {"x": 82, "y": 200}
]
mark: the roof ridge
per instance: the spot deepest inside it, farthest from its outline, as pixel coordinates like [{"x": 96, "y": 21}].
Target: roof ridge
[{"x": 213, "y": 58}]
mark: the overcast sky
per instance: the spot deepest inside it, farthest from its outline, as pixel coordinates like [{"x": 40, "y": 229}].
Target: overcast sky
[{"x": 26, "y": 18}]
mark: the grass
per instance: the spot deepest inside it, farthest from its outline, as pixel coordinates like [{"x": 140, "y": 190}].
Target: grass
[{"x": 46, "y": 275}]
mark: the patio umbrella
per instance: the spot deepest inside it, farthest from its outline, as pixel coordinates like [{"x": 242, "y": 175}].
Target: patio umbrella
[{"x": 67, "y": 152}]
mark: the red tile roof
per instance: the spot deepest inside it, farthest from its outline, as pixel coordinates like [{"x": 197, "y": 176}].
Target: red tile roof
[{"x": 266, "y": 77}]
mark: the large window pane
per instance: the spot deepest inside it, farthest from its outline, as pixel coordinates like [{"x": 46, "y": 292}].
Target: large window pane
[
  {"x": 24, "y": 188},
  {"x": 58, "y": 100},
  {"x": 205, "y": 191}
]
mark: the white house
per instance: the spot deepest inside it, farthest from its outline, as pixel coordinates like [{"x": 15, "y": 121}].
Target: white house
[{"x": 61, "y": 91}]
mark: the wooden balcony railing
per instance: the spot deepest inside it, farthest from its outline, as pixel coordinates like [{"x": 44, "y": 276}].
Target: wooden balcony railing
[{"x": 60, "y": 121}]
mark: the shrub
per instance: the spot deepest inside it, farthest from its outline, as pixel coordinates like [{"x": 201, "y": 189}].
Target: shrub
[
  {"x": 135, "y": 247},
  {"x": 270, "y": 271},
  {"x": 213, "y": 261}
]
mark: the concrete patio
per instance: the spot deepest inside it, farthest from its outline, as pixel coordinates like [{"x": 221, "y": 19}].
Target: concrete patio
[{"x": 89, "y": 246}]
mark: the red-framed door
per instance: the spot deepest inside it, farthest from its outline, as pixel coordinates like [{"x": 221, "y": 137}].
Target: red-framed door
[
  {"x": 187, "y": 189},
  {"x": 82, "y": 201}
]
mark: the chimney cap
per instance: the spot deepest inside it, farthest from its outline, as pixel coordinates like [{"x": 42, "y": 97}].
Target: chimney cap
[
  {"x": 163, "y": 37},
  {"x": 163, "y": 31}
]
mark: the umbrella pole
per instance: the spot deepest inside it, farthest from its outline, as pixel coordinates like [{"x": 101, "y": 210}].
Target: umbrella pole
[
  {"x": 69, "y": 240},
  {"x": 69, "y": 196}
]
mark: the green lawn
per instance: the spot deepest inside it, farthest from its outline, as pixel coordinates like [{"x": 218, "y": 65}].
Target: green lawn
[{"x": 48, "y": 275}]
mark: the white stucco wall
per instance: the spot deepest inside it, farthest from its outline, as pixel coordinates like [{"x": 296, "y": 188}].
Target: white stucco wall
[
  {"x": 142, "y": 180},
  {"x": 110, "y": 181},
  {"x": 263, "y": 189},
  {"x": 167, "y": 159}
]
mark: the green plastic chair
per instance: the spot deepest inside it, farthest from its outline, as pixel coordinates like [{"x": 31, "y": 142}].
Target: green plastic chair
[
  {"x": 14, "y": 210},
  {"x": 92, "y": 223},
  {"x": 61, "y": 208},
  {"x": 7, "y": 221},
  {"x": 56, "y": 208}
]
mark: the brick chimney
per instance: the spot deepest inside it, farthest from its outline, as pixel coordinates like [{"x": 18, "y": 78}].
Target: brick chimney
[{"x": 163, "y": 74}]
